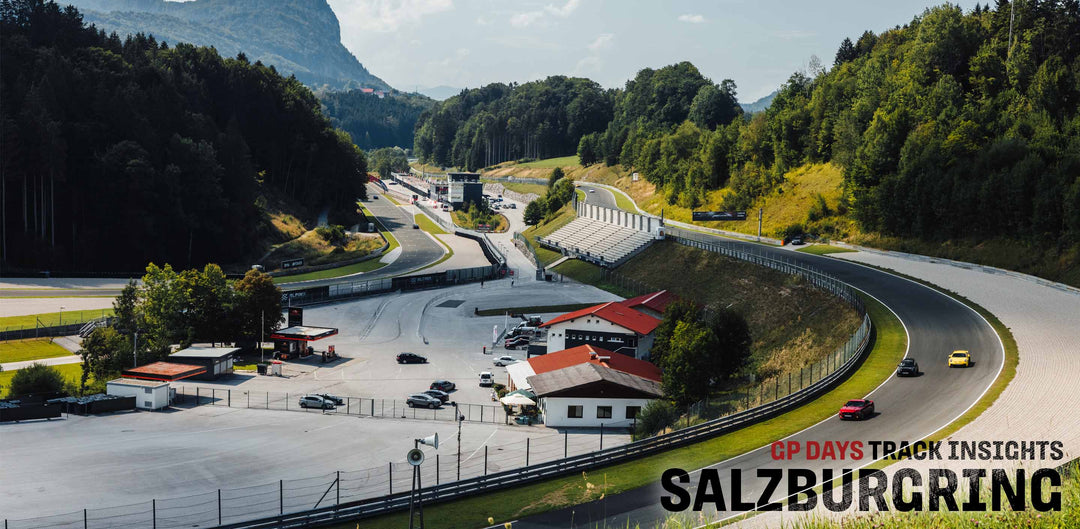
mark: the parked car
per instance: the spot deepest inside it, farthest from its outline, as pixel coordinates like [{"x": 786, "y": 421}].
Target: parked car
[
  {"x": 522, "y": 330},
  {"x": 857, "y": 409},
  {"x": 908, "y": 368},
  {"x": 512, "y": 205},
  {"x": 797, "y": 240},
  {"x": 423, "y": 400},
  {"x": 505, "y": 360},
  {"x": 487, "y": 379},
  {"x": 441, "y": 395},
  {"x": 960, "y": 359},
  {"x": 410, "y": 358},
  {"x": 315, "y": 401},
  {"x": 515, "y": 342},
  {"x": 442, "y": 385},
  {"x": 337, "y": 401}
]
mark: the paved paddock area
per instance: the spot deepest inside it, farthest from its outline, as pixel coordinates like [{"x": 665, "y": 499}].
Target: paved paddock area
[
  {"x": 61, "y": 466},
  {"x": 25, "y": 306}
]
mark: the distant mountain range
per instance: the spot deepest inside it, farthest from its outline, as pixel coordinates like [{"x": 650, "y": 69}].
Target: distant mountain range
[
  {"x": 299, "y": 37},
  {"x": 760, "y": 104}
]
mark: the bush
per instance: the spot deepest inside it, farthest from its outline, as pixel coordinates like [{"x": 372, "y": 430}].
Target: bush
[
  {"x": 819, "y": 209},
  {"x": 332, "y": 234},
  {"x": 654, "y": 417},
  {"x": 36, "y": 379}
]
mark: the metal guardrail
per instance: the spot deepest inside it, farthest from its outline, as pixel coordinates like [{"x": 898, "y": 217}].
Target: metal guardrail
[{"x": 351, "y": 289}]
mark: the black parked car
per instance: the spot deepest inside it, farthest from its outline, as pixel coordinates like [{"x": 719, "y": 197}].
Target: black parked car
[
  {"x": 442, "y": 385},
  {"x": 908, "y": 368},
  {"x": 332, "y": 398},
  {"x": 410, "y": 358},
  {"x": 441, "y": 395}
]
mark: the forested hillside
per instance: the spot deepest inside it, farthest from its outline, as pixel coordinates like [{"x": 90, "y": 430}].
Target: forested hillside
[
  {"x": 298, "y": 37},
  {"x": 375, "y": 122},
  {"x": 500, "y": 122},
  {"x": 943, "y": 129},
  {"x": 119, "y": 152}
]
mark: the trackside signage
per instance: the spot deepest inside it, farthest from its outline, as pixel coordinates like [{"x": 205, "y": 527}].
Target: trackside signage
[
  {"x": 718, "y": 215},
  {"x": 971, "y": 476}
]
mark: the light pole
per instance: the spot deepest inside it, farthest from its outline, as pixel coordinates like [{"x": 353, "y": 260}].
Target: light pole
[{"x": 458, "y": 417}]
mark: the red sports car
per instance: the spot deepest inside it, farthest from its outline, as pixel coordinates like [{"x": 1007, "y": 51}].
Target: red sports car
[{"x": 857, "y": 409}]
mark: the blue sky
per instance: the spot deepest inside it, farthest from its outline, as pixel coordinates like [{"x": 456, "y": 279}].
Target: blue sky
[{"x": 469, "y": 43}]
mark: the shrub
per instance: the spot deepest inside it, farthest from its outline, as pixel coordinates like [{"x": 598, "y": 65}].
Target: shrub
[
  {"x": 36, "y": 379},
  {"x": 654, "y": 417}
]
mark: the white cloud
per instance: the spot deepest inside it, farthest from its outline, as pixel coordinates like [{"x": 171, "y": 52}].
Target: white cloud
[
  {"x": 587, "y": 65},
  {"x": 524, "y": 20},
  {"x": 692, "y": 19},
  {"x": 483, "y": 20},
  {"x": 564, "y": 11},
  {"x": 603, "y": 41},
  {"x": 384, "y": 16}
]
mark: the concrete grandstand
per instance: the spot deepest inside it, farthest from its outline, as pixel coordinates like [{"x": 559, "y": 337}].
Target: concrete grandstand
[{"x": 607, "y": 237}]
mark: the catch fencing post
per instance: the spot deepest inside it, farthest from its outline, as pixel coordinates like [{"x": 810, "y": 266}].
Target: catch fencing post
[
  {"x": 281, "y": 497},
  {"x": 219, "y": 506},
  {"x": 153, "y": 514},
  {"x": 85, "y": 523},
  {"x": 436, "y": 469},
  {"x": 391, "y": 480},
  {"x": 230, "y": 398},
  {"x": 526, "y": 451},
  {"x": 338, "y": 482},
  {"x": 485, "y": 459},
  {"x": 602, "y": 432}
]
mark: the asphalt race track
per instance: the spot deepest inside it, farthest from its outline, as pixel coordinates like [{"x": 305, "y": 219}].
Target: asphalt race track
[
  {"x": 908, "y": 409},
  {"x": 417, "y": 248},
  {"x": 602, "y": 197}
]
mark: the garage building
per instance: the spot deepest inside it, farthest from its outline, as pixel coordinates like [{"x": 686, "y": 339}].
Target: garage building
[
  {"x": 149, "y": 394},
  {"x": 218, "y": 361}
]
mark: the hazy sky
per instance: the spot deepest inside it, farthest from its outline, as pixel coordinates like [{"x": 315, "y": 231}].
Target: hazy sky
[{"x": 469, "y": 43}]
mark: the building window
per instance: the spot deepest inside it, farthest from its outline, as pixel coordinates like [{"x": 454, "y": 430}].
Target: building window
[
  {"x": 146, "y": 390},
  {"x": 575, "y": 412},
  {"x": 603, "y": 412},
  {"x": 632, "y": 412}
]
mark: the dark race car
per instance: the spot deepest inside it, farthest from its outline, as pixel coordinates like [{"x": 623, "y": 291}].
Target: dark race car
[
  {"x": 857, "y": 409},
  {"x": 908, "y": 368}
]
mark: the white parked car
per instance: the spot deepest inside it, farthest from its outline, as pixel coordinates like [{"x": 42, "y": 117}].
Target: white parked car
[
  {"x": 487, "y": 379},
  {"x": 505, "y": 360}
]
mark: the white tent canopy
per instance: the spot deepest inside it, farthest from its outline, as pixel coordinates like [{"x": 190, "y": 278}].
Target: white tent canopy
[{"x": 517, "y": 400}]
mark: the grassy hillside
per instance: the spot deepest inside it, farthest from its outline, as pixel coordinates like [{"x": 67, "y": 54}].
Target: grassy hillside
[
  {"x": 792, "y": 202},
  {"x": 792, "y": 323}
]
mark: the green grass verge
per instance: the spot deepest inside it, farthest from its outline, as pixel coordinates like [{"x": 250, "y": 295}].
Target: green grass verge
[
  {"x": 545, "y": 228},
  {"x": 624, "y": 202},
  {"x": 570, "y": 307},
  {"x": 519, "y": 187},
  {"x": 245, "y": 366},
  {"x": 551, "y": 163},
  {"x": 887, "y": 349},
  {"x": 365, "y": 266},
  {"x": 428, "y": 225},
  {"x": 23, "y": 350},
  {"x": 824, "y": 249},
  {"x": 54, "y": 318},
  {"x": 580, "y": 195},
  {"x": 449, "y": 253},
  {"x": 391, "y": 199},
  {"x": 70, "y": 372}
]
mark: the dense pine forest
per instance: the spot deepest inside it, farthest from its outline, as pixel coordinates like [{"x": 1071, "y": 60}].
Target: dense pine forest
[
  {"x": 954, "y": 125},
  {"x": 375, "y": 122},
  {"x": 119, "y": 152}
]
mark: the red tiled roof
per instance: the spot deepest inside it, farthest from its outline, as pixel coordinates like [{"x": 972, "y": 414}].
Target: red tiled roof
[
  {"x": 615, "y": 313},
  {"x": 582, "y": 355},
  {"x": 657, "y": 301}
]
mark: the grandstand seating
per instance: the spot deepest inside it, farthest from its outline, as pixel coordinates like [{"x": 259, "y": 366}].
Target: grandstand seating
[{"x": 598, "y": 241}]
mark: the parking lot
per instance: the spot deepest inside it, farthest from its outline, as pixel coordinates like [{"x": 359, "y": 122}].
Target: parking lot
[{"x": 56, "y": 466}]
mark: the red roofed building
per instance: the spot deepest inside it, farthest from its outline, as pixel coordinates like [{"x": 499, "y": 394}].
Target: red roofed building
[
  {"x": 587, "y": 354},
  {"x": 652, "y": 304},
  {"x": 616, "y": 326}
]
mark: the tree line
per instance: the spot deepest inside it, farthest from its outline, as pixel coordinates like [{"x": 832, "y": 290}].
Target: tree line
[
  {"x": 121, "y": 152},
  {"x": 500, "y": 122}
]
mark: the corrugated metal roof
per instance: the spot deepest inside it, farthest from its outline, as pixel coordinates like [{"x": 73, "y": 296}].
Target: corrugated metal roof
[
  {"x": 205, "y": 352},
  {"x": 583, "y": 354},
  {"x": 616, "y": 313},
  {"x": 579, "y": 375}
]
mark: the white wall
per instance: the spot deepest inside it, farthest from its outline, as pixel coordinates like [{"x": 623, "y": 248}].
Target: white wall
[
  {"x": 155, "y": 399},
  {"x": 555, "y": 411},
  {"x": 557, "y": 334}
]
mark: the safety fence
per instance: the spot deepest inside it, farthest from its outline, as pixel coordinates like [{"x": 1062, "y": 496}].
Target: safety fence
[
  {"x": 189, "y": 396},
  {"x": 350, "y": 289},
  {"x": 242, "y": 505},
  {"x": 59, "y": 324}
]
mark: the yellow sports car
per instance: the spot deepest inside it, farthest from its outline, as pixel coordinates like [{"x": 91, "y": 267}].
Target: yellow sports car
[{"x": 960, "y": 359}]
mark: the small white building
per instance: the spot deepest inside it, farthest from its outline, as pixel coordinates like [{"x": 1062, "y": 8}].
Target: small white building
[
  {"x": 591, "y": 395},
  {"x": 149, "y": 394}
]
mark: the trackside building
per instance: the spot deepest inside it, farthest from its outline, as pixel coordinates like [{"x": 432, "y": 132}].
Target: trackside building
[{"x": 611, "y": 326}]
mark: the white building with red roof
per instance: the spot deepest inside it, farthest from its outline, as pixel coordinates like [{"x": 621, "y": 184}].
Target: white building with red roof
[
  {"x": 588, "y": 386},
  {"x": 623, "y": 327}
]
